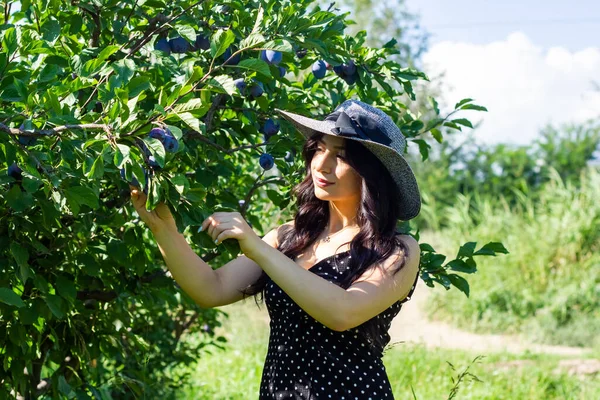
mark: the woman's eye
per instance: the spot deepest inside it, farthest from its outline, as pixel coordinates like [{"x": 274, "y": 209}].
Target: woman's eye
[{"x": 339, "y": 156}]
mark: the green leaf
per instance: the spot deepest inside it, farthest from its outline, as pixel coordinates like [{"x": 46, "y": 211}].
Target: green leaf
[
  {"x": 79, "y": 195},
  {"x": 463, "y": 121},
  {"x": 255, "y": 39},
  {"x": 108, "y": 51},
  {"x": 48, "y": 73},
  {"x": 9, "y": 41},
  {"x": 473, "y": 107},
  {"x": 491, "y": 249},
  {"x": 466, "y": 250},
  {"x": 463, "y": 101},
  {"x": 254, "y": 64},
  {"x": 461, "y": 266},
  {"x": 157, "y": 149},
  {"x": 50, "y": 30},
  {"x": 434, "y": 104},
  {"x": 121, "y": 155},
  {"x": 259, "y": 18},
  {"x": 279, "y": 45},
  {"x": 191, "y": 121},
  {"x": 390, "y": 44},
  {"x": 66, "y": 287},
  {"x": 460, "y": 283},
  {"x": 224, "y": 84},
  {"x": 7, "y": 296},
  {"x": 65, "y": 388},
  {"x": 194, "y": 104},
  {"x": 187, "y": 32},
  {"x": 97, "y": 170},
  {"x": 181, "y": 183},
  {"x": 124, "y": 69},
  {"x": 55, "y": 304},
  {"x": 20, "y": 254},
  {"x": 220, "y": 42}
]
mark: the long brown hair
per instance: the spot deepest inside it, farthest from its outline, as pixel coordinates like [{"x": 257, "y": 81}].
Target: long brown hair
[{"x": 377, "y": 218}]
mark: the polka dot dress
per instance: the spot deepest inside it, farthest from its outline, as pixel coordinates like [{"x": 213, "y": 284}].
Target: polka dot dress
[{"x": 307, "y": 360}]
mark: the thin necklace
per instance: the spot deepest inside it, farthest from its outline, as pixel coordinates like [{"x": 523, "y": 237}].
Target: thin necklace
[{"x": 328, "y": 237}]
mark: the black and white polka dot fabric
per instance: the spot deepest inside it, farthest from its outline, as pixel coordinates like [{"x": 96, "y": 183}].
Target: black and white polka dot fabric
[{"x": 307, "y": 360}]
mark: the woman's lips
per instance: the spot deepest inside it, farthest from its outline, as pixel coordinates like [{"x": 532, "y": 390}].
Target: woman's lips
[{"x": 322, "y": 183}]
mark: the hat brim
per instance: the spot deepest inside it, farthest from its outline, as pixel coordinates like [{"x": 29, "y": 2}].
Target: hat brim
[{"x": 402, "y": 174}]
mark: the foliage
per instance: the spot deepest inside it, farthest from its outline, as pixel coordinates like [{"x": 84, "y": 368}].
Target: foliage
[
  {"x": 85, "y": 310},
  {"x": 502, "y": 170},
  {"x": 548, "y": 288}
]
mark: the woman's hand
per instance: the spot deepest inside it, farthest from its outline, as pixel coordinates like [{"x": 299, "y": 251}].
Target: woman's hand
[
  {"x": 159, "y": 219},
  {"x": 231, "y": 225}
]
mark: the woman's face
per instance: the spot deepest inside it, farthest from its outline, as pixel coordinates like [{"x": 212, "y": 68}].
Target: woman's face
[{"x": 329, "y": 163}]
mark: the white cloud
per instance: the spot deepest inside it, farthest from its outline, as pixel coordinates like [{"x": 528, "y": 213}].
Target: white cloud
[{"x": 523, "y": 86}]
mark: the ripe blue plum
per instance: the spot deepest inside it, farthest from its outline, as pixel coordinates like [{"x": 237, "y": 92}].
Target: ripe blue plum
[
  {"x": 15, "y": 172},
  {"x": 349, "y": 68},
  {"x": 157, "y": 133},
  {"x": 282, "y": 72},
  {"x": 202, "y": 42},
  {"x": 257, "y": 89},
  {"x": 162, "y": 44},
  {"x": 289, "y": 156},
  {"x": 300, "y": 53},
  {"x": 266, "y": 161},
  {"x": 171, "y": 144},
  {"x": 235, "y": 60},
  {"x": 270, "y": 128},
  {"x": 179, "y": 45},
  {"x": 240, "y": 83},
  {"x": 319, "y": 69},
  {"x": 271, "y": 56}
]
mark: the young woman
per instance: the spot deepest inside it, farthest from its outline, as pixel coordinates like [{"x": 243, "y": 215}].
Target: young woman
[{"x": 335, "y": 276}]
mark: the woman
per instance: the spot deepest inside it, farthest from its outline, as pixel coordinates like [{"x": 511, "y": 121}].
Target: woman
[{"x": 330, "y": 310}]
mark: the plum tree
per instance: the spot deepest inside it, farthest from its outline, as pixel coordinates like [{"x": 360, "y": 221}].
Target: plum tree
[{"x": 85, "y": 296}]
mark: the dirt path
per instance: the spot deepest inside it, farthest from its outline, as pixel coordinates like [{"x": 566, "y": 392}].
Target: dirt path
[{"x": 410, "y": 325}]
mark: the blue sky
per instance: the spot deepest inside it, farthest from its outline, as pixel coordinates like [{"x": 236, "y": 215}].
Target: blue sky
[
  {"x": 573, "y": 24},
  {"x": 528, "y": 74}
]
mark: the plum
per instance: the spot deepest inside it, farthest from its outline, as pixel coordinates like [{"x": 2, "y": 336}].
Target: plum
[
  {"x": 300, "y": 53},
  {"x": 202, "y": 42},
  {"x": 271, "y": 56},
  {"x": 257, "y": 89},
  {"x": 270, "y": 128},
  {"x": 282, "y": 72},
  {"x": 235, "y": 60},
  {"x": 163, "y": 45},
  {"x": 289, "y": 156},
  {"x": 179, "y": 45},
  {"x": 319, "y": 69},
  {"x": 15, "y": 172},
  {"x": 157, "y": 133},
  {"x": 171, "y": 144},
  {"x": 266, "y": 161},
  {"x": 240, "y": 83},
  {"x": 349, "y": 68}
]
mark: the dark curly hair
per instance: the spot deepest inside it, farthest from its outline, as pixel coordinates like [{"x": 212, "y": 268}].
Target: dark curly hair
[{"x": 377, "y": 218}]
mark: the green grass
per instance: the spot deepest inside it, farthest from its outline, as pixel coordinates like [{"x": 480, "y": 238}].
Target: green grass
[
  {"x": 548, "y": 288},
  {"x": 235, "y": 372}
]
